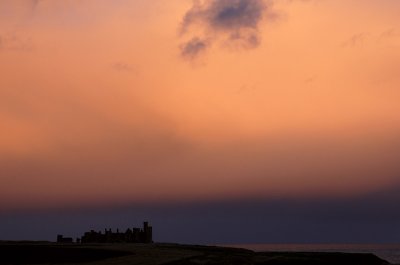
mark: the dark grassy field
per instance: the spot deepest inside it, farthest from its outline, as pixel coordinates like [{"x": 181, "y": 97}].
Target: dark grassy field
[{"x": 169, "y": 254}]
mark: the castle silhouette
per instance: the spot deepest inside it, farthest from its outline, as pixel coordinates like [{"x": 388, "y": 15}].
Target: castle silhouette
[{"x": 134, "y": 235}]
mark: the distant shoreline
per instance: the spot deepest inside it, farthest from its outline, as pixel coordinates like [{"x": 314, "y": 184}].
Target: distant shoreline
[{"x": 386, "y": 251}]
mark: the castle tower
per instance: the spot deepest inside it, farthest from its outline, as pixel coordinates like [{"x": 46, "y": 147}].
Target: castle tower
[{"x": 148, "y": 233}]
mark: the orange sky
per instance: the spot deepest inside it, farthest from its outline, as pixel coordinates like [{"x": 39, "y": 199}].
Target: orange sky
[{"x": 99, "y": 104}]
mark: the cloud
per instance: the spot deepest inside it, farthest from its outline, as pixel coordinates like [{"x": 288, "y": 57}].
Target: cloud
[
  {"x": 35, "y": 3},
  {"x": 17, "y": 11},
  {"x": 233, "y": 21},
  {"x": 229, "y": 15},
  {"x": 193, "y": 48},
  {"x": 356, "y": 40},
  {"x": 370, "y": 218},
  {"x": 13, "y": 41},
  {"x": 122, "y": 67},
  {"x": 391, "y": 33}
]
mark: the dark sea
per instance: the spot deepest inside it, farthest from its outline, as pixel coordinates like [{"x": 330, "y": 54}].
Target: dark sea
[{"x": 389, "y": 252}]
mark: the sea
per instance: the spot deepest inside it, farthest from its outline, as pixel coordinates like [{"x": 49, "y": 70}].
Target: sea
[{"x": 388, "y": 252}]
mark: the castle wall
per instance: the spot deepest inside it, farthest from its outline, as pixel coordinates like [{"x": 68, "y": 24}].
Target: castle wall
[{"x": 134, "y": 235}]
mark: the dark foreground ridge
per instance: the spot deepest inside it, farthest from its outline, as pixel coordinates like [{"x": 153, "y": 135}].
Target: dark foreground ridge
[
  {"x": 53, "y": 254},
  {"x": 168, "y": 254}
]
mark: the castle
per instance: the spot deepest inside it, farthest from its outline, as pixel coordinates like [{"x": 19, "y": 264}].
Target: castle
[{"x": 134, "y": 235}]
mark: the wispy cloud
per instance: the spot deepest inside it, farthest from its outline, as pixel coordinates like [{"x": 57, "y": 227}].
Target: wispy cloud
[
  {"x": 356, "y": 40},
  {"x": 389, "y": 34},
  {"x": 13, "y": 41},
  {"x": 122, "y": 67},
  {"x": 233, "y": 21},
  {"x": 35, "y": 3}
]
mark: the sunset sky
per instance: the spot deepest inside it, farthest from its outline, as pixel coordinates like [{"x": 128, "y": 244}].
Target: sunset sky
[{"x": 203, "y": 103}]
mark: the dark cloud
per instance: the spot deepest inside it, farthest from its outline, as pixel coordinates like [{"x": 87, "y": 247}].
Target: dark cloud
[
  {"x": 235, "y": 15},
  {"x": 364, "y": 219},
  {"x": 193, "y": 48},
  {"x": 234, "y": 21}
]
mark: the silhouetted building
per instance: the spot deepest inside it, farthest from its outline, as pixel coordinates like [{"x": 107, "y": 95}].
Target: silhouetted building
[
  {"x": 147, "y": 233},
  {"x": 134, "y": 235},
  {"x": 62, "y": 239}
]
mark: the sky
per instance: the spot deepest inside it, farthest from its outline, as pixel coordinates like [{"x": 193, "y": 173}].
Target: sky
[{"x": 199, "y": 114}]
